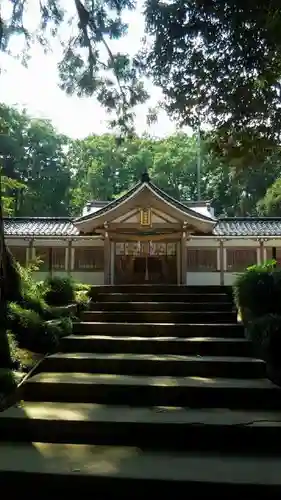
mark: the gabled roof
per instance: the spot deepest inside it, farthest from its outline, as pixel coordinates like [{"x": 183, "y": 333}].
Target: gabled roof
[{"x": 134, "y": 192}]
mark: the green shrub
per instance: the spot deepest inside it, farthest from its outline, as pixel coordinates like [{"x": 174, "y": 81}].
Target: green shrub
[
  {"x": 59, "y": 291},
  {"x": 8, "y": 381},
  {"x": 31, "y": 291},
  {"x": 14, "y": 350},
  {"x": 257, "y": 291},
  {"x": 30, "y": 330},
  {"x": 93, "y": 293},
  {"x": 82, "y": 300},
  {"x": 265, "y": 333},
  {"x": 12, "y": 280},
  {"x": 60, "y": 327},
  {"x": 82, "y": 287}
]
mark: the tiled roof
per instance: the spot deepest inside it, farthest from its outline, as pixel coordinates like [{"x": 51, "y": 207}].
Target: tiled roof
[
  {"x": 40, "y": 226},
  {"x": 166, "y": 197},
  {"x": 64, "y": 226},
  {"x": 248, "y": 226}
]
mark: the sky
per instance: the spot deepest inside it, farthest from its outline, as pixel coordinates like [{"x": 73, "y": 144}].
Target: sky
[{"x": 36, "y": 89}]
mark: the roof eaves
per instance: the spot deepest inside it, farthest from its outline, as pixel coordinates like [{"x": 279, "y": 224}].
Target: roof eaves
[
  {"x": 180, "y": 205},
  {"x": 109, "y": 206}
]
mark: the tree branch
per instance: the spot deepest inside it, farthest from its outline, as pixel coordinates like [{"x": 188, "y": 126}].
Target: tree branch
[{"x": 84, "y": 21}]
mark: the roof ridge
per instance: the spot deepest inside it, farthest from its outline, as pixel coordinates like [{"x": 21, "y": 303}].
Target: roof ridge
[
  {"x": 248, "y": 218},
  {"x": 39, "y": 217}
]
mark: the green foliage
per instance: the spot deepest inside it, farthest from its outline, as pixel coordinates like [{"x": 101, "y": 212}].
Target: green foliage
[
  {"x": 257, "y": 294},
  {"x": 8, "y": 381},
  {"x": 219, "y": 63},
  {"x": 31, "y": 320},
  {"x": 270, "y": 205},
  {"x": 13, "y": 346},
  {"x": 265, "y": 333},
  {"x": 34, "y": 165},
  {"x": 51, "y": 168},
  {"x": 30, "y": 330},
  {"x": 9, "y": 189},
  {"x": 82, "y": 299},
  {"x": 59, "y": 327},
  {"x": 267, "y": 266},
  {"x": 59, "y": 291},
  {"x": 257, "y": 291},
  {"x": 90, "y": 64},
  {"x": 12, "y": 283},
  {"x": 172, "y": 165},
  {"x": 32, "y": 291},
  {"x": 81, "y": 287}
]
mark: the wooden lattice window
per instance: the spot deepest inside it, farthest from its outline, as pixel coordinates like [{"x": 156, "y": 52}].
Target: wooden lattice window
[
  {"x": 270, "y": 255},
  {"x": 89, "y": 259},
  {"x": 58, "y": 258},
  {"x": 202, "y": 259},
  {"x": 19, "y": 254},
  {"x": 238, "y": 259},
  {"x": 51, "y": 257},
  {"x": 43, "y": 254}
]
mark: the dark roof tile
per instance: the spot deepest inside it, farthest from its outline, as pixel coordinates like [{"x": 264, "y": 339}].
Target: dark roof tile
[
  {"x": 248, "y": 226},
  {"x": 64, "y": 226},
  {"x": 40, "y": 226}
]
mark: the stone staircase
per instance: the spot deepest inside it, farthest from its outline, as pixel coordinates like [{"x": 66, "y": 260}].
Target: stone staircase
[{"x": 156, "y": 387}]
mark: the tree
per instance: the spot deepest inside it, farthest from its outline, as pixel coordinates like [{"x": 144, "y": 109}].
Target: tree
[
  {"x": 103, "y": 169},
  {"x": 34, "y": 159},
  {"x": 89, "y": 65},
  {"x": 270, "y": 205},
  {"x": 219, "y": 63}
]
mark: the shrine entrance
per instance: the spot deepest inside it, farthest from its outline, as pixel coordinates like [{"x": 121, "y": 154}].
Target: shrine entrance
[{"x": 145, "y": 262}]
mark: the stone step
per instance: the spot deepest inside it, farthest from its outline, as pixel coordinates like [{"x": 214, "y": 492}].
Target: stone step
[
  {"x": 201, "y": 346},
  {"x": 161, "y": 288},
  {"x": 226, "y": 330},
  {"x": 161, "y": 306},
  {"x": 194, "y": 392},
  {"x": 106, "y": 470},
  {"x": 148, "y": 364},
  {"x": 166, "y": 428},
  {"x": 161, "y": 297},
  {"x": 160, "y": 316}
]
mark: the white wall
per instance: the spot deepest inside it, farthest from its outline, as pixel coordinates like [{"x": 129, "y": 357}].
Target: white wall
[
  {"x": 229, "y": 278},
  {"x": 95, "y": 278},
  {"x": 41, "y": 275},
  {"x": 90, "y": 278},
  {"x": 195, "y": 279}
]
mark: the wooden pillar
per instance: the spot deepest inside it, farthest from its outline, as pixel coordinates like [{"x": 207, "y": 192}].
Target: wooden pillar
[
  {"x": 26, "y": 255},
  {"x": 262, "y": 254},
  {"x": 30, "y": 252},
  {"x": 183, "y": 256},
  {"x": 112, "y": 262},
  {"x": 107, "y": 264},
  {"x": 68, "y": 257},
  {"x": 222, "y": 262},
  {"x": 178, "y": 247},
  {"x": 50, "y": 261}
]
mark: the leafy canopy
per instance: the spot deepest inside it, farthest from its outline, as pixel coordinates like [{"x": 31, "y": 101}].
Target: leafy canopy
[
  {"x": 89, "y": 65},
  {"x": 219, "y": 63}
]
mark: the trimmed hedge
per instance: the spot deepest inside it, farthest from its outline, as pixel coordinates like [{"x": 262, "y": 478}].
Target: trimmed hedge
[
  {"x": 59, "y": 291},
  {"x": 257, "y": 294},
  {"x": 257, "y": 291}
]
